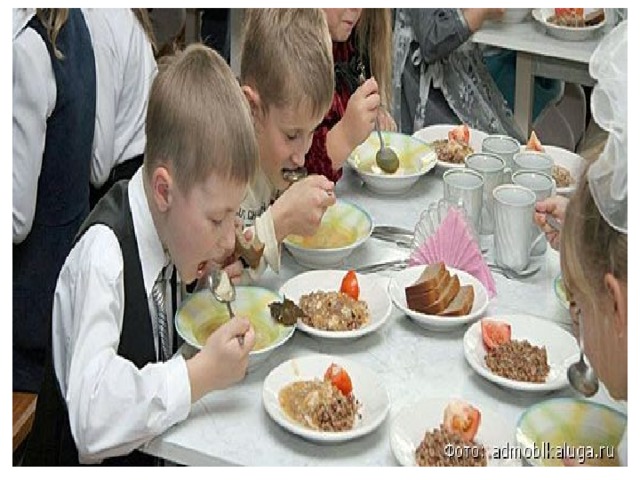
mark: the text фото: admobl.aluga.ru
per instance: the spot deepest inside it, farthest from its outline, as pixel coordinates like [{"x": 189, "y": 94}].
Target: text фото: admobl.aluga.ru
[{"x": 573, "y": 454}]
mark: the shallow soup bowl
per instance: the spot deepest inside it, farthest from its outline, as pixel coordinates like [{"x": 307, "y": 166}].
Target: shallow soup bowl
[
  {"x": 344, "y": 227},
  {"x": 416, "y": 159},
  {"x": 201, "y": 314}
]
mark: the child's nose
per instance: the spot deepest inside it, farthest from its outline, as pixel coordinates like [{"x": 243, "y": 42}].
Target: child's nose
[{"x": 229, "y": 239}]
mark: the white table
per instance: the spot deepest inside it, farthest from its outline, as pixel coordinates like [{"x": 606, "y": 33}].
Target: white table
[
  {"x": 538, "y": 54},
  {"x": 231, "y": 427}
]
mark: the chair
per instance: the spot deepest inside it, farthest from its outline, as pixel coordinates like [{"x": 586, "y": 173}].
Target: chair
[{"x": 24, "y": 409}]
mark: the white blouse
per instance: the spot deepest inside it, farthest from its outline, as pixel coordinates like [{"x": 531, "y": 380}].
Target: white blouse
[{"x": 125, "y": 69}]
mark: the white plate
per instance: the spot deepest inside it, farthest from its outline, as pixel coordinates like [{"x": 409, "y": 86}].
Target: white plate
[
  {"x": 441, "y": 132},
  {"x": 562, "y": 351},
  {"x": 569, "y": 160},
  {"x": 367, "y": 388},
  {"x": 372, "y": 291},
  {"x": 574, "y": 34},
  {"x": 401, "y": 280},
  {"x": 410, "y": 424}
]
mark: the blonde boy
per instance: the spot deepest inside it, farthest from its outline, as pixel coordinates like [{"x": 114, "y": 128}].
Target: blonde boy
[
  {"x": 111, "y": 386},
  {"x": 287, "y": 76}
]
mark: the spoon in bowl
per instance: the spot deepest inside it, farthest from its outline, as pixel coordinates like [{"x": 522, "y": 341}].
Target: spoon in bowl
[
  {"x": 218, "y": 283},
  {"x": 386, "y": 158},
  {"x": 580, "y": 375}
]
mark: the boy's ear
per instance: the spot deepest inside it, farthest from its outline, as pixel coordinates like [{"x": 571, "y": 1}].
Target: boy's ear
[
  {"x": 618, "y": 296},
  {"x": 255, "y": 103},
  {"x": 162, "y": 188}
]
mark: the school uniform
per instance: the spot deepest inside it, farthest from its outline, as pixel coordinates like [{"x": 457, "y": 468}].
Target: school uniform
[
  {"x": 105, "y": 343},
  {"x": 125, "y": 69},
  {"x": 53, "y": 119}
]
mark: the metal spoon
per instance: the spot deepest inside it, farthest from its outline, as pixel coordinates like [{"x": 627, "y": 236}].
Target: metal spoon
[
  {"x": 581, "y": 376},
  {"x": 294, "y": 174},
  {"x": 386, "y": 158},
  {"x": 222, "y": 290}
]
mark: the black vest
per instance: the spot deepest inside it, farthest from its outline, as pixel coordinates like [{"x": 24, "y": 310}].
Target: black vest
[
  {"x": 51, "y": 442},
  {"x": 63, "y": 198}
]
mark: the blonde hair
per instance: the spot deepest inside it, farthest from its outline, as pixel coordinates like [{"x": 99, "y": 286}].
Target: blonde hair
[
  {"x": 53, "y": 19},
  {"x": 373, "y": 39},
  {"x": 287, "y": 58},
  {"x": 590, "y": 248},
  {"x": 142, "y": 15},
  {"x": 198, "y": 120}
]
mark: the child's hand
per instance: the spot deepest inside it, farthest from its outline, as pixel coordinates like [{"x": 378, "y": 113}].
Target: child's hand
[
  {"x": 300, "y": 208},
  {"x": 223, "y": 359},
  {"x": 359, "y": 117},
  {"x": 556, "y": 207}
]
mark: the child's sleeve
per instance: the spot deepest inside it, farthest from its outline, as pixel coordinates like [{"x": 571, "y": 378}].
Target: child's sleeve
[
  {"x": 264, "y": 230},
  {"x": 317, "y": 160}
]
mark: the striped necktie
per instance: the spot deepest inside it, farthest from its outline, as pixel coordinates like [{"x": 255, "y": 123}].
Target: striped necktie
[{"x": 158, "y": 294}]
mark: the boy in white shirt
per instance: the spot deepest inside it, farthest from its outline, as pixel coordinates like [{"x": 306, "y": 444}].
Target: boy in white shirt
[{"x": 110, "y": 386}]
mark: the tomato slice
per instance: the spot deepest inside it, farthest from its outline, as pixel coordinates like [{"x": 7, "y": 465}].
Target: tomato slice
[
  {"x": 339, "y": 377},
  {"x": 534, "y": 143},
  {"x": 459, "y": 134},
  {"x": 462, "y": 418},
  {"x": 563, "y": 12},
  {"x": 350, "y": 285},
  {"x": 494, "y": 333}
]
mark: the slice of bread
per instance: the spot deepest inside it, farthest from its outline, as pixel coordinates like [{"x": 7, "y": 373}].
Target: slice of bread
[
  {"x": 430, "y": 277},
  {"x": 461, "y": 304},
  {"x": 427, "y": 297},
  {"x": 251, "y": 252},
  {"x": 446, "y": 295}
]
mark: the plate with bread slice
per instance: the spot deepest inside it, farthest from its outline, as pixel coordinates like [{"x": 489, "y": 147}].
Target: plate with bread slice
[
  {"x": 438, "y": 297},
  {"x": 339, "y": 304}
]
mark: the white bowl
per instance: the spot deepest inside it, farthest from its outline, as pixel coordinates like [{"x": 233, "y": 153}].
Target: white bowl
[
  {"x": 566, "y": 422},
  {"x": 572, "y": 34},
  {"x": 349, "y": 220},
  {"x": 415, "y": 157},
  {"x": 251, "y": 303},
  {"x": 372, "y": 291},
  {"x": 367, "y": 388},
  {"x": 441, "y": 132},
  {"x": 562, "y": 351},
  {"x": 404, "y": 278},
  {"x": 412, "y": 421}
]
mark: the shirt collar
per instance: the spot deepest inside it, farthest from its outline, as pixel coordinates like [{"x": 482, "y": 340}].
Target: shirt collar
[
  {"x": 153, "y": 257},
  {"x": 21, "y": 17}
]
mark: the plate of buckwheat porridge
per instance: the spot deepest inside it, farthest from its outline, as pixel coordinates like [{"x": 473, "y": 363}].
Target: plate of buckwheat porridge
[
  {"x": 449, "y": 432},
  {"x": 521, "y": 352}
]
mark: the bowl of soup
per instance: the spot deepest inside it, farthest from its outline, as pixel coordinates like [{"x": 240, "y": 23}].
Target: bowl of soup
[
  {"x": 344, "y": 227},
  {"x": 201, "y": 314},
  {"x": 416, "y": 158},
  {"x": 570, "y": 431}
]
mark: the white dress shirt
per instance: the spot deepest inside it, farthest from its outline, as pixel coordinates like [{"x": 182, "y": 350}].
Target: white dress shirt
[
  {"x": 34, "y": 98},
  {"x": 113, "y": 406},
  {"x": 125, "y": 69}
]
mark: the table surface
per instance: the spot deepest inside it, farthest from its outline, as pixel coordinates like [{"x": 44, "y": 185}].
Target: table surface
[
  {"x": 231, "y": 427},
  {"x": 529, "y": 36}
]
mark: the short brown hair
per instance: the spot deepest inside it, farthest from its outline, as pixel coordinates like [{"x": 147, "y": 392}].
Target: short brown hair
[
  {"x": 590, "y": 248},
  {"x": 287, "y": 57},
  {"x": 198, "y": 120}
]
